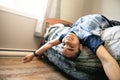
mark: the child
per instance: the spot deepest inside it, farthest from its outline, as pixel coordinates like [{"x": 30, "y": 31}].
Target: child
[{"x": 85, "y": 32}]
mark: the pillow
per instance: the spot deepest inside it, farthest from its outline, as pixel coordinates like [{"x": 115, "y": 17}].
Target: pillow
[{"x": 111, "y": 36}]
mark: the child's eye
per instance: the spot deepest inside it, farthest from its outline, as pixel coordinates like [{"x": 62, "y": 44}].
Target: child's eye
[
  {"x": 63, "y": 44},
  {"x": 71, "y": 47}
]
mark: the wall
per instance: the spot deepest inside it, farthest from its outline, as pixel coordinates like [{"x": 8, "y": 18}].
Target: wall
[
  {"x": 110, "y": 8},
  {"x": 17, "y": 32},
  {"x": 73, "y": 9}
]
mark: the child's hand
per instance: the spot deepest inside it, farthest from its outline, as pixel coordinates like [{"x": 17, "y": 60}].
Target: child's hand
[{"x": 28, "y": 58}]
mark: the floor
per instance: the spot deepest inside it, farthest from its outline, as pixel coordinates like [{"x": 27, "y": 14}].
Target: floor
[{"x": 12, "y": 68}]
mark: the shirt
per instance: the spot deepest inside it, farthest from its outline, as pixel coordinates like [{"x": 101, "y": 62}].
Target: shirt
[{"x": 88, "y": 29}]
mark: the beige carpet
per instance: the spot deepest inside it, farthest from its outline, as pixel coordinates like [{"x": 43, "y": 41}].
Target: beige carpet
[{"x": 12, "y": 68}]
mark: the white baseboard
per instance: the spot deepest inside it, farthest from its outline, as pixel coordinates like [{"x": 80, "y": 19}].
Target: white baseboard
[{"x": 13, "y": 53}]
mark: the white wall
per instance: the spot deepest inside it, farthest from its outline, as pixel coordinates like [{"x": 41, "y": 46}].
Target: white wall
[
  {"x": 111, "y": 8},
  {"x": 73, "y": 9},
  {"x": 17, "y": 32}
]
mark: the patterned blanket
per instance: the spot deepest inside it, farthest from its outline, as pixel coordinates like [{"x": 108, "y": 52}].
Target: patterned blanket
[{"x": 87, "y": 66}]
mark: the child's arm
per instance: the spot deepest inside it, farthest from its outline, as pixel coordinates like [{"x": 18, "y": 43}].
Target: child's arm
[
  {"x": 110, "y": 65},
  {"x": 46, "y": 46}
]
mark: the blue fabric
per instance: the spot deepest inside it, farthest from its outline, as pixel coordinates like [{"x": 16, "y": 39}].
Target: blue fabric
[
  {"x": 89, "y": 25},
  {"x": 88, "y": 29},
  {"x": 61, "y": 37},
  {"x": 92, "y": 42}
]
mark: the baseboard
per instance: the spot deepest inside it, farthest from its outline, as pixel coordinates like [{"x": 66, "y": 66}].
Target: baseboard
[{"x": 14, "y": 53}]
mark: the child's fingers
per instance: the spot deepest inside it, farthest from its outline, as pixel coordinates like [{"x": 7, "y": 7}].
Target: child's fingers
[{"x": 25, "y": 60}]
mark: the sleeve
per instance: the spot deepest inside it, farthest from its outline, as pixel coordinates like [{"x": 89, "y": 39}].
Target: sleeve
[
  {"x": 92, "y": 42},
  {"x": 61, "y": 37}
]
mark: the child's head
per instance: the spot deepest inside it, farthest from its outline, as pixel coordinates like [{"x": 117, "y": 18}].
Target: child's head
[{"x": 71, "y": 46}]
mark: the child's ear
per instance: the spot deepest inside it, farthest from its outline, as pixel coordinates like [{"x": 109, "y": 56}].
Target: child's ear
[{"x": 81, "y": 47}]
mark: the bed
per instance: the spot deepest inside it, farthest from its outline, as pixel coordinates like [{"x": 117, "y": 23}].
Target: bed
[{"x": 87, "y": 66}]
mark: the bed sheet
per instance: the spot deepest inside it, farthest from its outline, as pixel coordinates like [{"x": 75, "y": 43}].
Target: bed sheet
[{"x": 87, "y": 66}]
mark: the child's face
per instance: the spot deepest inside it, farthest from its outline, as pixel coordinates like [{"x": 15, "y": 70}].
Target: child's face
[{"x": 70, "y": 45}]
